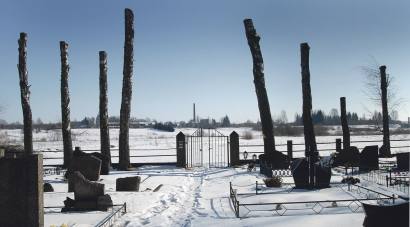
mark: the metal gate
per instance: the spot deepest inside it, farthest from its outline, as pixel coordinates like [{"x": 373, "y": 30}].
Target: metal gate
[{"x": 207, "y": 148}]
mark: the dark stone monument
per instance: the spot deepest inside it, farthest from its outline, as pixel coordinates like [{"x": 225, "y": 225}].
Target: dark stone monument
[
  {"x": 21, "y": 191},
  {"x": 300, "y": 173},
  {"x": 271, "y": 161},
  {"x": 322, "y": 176},
  {"x": 128, "y": 184},
  {"x": 85, "y": 189},
  {"x": 347, "y": 157},
  {"x": 87, "y": 164},
  {"x": 88, "y": 195},
  {"x": 402, "y": 161},
  {"x": 47, "y": 187},
  {"x": 396, "y": 215},
  {"x": 369, "y": 158},
  {"x": 105, "y": 162},
  {"x": 181, "y": 150}
]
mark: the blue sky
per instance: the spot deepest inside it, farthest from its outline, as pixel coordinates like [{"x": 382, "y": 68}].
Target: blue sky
[{"x": 196, "y": 51}]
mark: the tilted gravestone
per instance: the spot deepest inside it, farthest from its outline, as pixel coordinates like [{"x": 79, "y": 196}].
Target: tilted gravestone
[
  {"x": 105, "y": 162},
  {"x": 87, "y": 195},
  {"x": 85, "y": 189},
  {"x": 128, "y": 184},
  {"x": 369, "y": 158}
]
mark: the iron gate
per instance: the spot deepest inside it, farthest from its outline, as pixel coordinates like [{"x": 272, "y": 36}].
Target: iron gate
[{"x": 207, "y": 148}]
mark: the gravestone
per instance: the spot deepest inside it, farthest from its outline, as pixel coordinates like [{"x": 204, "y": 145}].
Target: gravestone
[
  {"x": 347, "y": 157},
  {"x": 402, "y": 161},
  {"x": 105, "y": 162},
  {"x": 88, "y": 195},
  {"x": 369, "y": 158},
  {"x": 271, "y": 161},
  {"x": 396, "y": 215},
  {"x": 322, "y": 176},
  {"x": 300, "y": 172},
  {"x": 85, "y": 189},
  {"x": 21, "y": 191},
  {"x": 88, "y": 165},
  {"x": 128, "y": 184}
]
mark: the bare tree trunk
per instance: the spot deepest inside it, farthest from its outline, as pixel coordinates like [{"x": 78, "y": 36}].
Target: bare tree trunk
[
  {"x": 104, "y": 130},
  {"x": 309, "y": 133},
  {"x": 65, "y": 108},
  {"x": 259, "y": 80},
  {"x": 345, "y": 126},
  {"x": 385, "y": 112},
  {"x": 25, "y": 94},
  {"x": 124, "y": 150}
]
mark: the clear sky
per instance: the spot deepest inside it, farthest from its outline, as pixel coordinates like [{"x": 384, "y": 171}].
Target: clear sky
[{"x": 189, "y": 51}]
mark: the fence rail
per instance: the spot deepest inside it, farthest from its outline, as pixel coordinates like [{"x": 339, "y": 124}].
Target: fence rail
[{"x": 111, "y": 218}]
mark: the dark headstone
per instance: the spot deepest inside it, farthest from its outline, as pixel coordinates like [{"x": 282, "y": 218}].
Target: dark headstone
[
  {"x": 322, "y": 176},
  {"x": 47, "y": 187},
  {"x": 85, "y": 189},
  {"x": 128, "y": 184},
  {"x": 389, "y": 215},
  {"x": 21, "y": 191},
  {"x": 347, "y": 157},
  {"x": 369, "y": 158},
  {"x": 87, "y": 164},
  {"x": 402, "y": 161},
  {"x": 300, "y": 173},
  {"x": 105, "y": 162},
  {"x": 104, "y": 202},
  {"x": 271, "y": 161}
]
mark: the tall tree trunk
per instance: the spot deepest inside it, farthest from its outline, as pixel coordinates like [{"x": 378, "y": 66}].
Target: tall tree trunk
[
  {"x": 124, "y": 150},
  {"x": 259, "y": 80},
  {"x": 345, "y": 126},
  {"x": 309, "y": 133},
  {"x": 104, "y": 130},
  {"x": 25, "y": 94},
  {"x": 65, "y": 105},
  {"x": 385, "y": 112}
]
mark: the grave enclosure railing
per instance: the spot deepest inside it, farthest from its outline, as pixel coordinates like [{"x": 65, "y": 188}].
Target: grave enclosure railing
[
  {"x": 115, "y": 213},
  {"x": 285, "y": 148},
  {"x": 315, "y": 206},
  {"x": 389, "y": 178}
]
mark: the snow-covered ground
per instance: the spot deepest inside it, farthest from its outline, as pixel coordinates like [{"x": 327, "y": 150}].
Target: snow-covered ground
[
  {"x": 196, "y": 197},
  {"x": 200, "y": 197}
]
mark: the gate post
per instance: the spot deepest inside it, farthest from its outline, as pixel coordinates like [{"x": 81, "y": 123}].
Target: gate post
[
  {"x": 290, "y": 150},
  {"x": 181, "y": 154},
  {"x": 338, "y": 145},
  {"x": 234, "y": 148}
]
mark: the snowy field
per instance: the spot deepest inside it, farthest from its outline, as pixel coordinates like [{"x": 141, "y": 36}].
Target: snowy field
[
  {"x": 153, "y": 142},
  {"x": 200, "y": 197}
]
